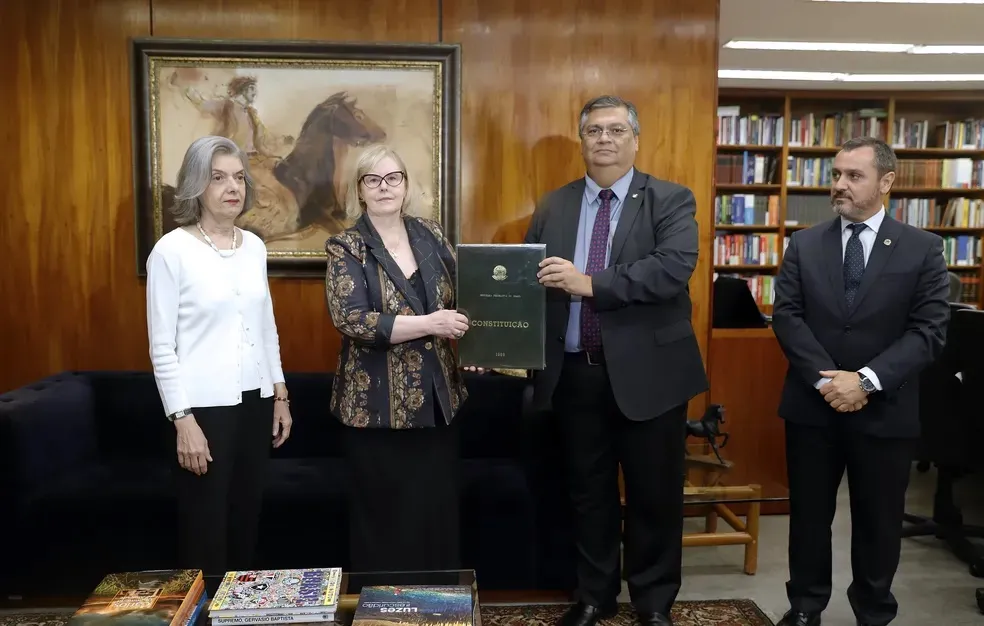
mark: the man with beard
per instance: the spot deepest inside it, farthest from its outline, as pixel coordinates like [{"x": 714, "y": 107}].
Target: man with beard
[{"x": 860, "y": 309}]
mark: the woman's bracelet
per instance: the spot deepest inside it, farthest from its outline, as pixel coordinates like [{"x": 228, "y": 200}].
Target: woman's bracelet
[{"x": 279, "y": 399}]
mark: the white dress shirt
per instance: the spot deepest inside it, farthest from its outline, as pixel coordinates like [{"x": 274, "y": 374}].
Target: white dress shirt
[
  {"x": 210, "y": 322},
  {"x": 867, "y": 237}
]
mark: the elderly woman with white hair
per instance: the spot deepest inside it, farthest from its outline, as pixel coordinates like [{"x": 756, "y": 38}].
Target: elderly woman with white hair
[{"x": 215, "y": 353}]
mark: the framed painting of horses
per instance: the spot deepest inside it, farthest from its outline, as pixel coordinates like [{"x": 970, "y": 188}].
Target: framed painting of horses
[{"x": 301, "y": 111}]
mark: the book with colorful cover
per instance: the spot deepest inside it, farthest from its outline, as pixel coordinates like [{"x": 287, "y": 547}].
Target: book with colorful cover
[
  {"x": 199, "y": 607},
  {"x": 149, "y": 598},
  {"x": 259, "y": 593},
  {"x": 418, "y": 605},
  {"x": 277, "y": 618}
]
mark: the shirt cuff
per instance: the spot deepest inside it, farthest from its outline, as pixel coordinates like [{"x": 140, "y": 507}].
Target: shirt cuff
[
  {"x": 871, "y": 376},
  {"x": 821, "y": 382}
]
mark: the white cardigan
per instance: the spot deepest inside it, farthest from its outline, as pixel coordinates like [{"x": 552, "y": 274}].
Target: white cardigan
[{"x": 210, "y": 322}]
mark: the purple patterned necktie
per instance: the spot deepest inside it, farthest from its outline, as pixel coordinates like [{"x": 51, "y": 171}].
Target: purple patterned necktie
[{"x": 590, "y": 325}]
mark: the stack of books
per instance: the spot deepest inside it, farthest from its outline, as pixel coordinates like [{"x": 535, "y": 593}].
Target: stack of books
[
  {"x": 300, "y": 596},
  {"x": 417, "y": 605},
  {"x": 151, "y": 598}
]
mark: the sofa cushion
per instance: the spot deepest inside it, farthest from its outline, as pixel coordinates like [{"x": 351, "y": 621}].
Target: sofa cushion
[
  {"x": 45, "y": 428},
  {"x": 132, "y": 423},
  {"x": 304, "y": 521},
  {"x": 111, "y": 506},
  {"x": 105, "y": 516},
  {"x": 316, "y": 432}
]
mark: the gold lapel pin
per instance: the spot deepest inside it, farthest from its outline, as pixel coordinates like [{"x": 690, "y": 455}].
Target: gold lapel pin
[{"x": 887, "y": 242}]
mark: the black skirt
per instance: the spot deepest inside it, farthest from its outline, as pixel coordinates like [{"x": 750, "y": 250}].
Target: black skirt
[{"x": 404, "y": 510}]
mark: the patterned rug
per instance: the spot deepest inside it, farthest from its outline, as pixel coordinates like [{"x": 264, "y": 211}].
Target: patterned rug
[
  {"x": 685, "y": 613},
  {"x": 50, "y": 618}
]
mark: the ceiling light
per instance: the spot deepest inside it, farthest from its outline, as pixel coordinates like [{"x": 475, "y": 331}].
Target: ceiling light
[
  {"x": 779, "y": 75},
  {"x": 947, "y": 50},
  {"x": 848, "y": 78},
  {"x": 817, "y": 46},
  {"x": 847, "y": 46},
  {"x": 910, "y": 1},
  {"x": 913, "y": 78}
]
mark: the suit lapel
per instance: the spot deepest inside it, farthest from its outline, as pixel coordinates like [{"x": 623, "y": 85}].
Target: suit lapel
[
  {"x": 571, "y": 212},
  {"x": 889, "y": 231},
  {"x": 833, "y": 259},
  {"x": 631, "y": 205},
  {"x": 390, "y": 267}
]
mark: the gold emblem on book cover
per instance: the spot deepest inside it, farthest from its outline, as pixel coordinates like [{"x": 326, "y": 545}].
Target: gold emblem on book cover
[{"x": 499, "y": 272}]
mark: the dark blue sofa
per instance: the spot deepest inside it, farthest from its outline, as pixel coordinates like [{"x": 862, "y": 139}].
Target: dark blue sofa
[{"x": 86, "y": 460}]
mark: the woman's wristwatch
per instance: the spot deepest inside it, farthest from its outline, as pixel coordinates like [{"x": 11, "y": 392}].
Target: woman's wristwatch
[{"x": 178, "y": 415}]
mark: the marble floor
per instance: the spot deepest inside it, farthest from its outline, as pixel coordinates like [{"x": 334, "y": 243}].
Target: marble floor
[{"x": 933, "y": 587}]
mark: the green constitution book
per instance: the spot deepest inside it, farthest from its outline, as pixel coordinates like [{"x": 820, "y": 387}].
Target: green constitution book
[{"x": 506, "y": 305}]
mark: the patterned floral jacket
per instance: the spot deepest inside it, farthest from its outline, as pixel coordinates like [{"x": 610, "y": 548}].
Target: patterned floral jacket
[{"x": 379, "y": 384}]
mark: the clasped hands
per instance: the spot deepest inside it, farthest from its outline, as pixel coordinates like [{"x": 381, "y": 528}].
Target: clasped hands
[{"x": 843, "y": 393}]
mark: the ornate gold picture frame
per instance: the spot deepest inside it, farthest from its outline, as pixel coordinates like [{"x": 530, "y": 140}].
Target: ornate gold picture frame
[{"x": 300, "y": 111}]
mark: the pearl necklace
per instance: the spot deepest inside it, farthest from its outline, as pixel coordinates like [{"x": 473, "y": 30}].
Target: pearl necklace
[{"x": 208, "y": 240}]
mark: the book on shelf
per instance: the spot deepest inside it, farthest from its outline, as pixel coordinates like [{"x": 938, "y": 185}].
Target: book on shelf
[
  {"x": 748, "y": 130},
  {"x": 933, "y": 213},
  {"x": 833, "y": 129},
  {"x": 746, "y": 209},
  {"x": 746, "y": 168},
  {"x": 746, "y": 249},
  {"x": 762, "y": 286},
  {"x": 809, "y": 171},
  {"x": 939, "y": 178},
  {"x": 962, "y": 250},
  {"x": 960, "y": 135}
]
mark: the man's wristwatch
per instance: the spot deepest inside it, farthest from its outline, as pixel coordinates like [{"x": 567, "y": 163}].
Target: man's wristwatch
[
  {"x": 866, "y": 384},
  {"x": 178, "y": 415}
]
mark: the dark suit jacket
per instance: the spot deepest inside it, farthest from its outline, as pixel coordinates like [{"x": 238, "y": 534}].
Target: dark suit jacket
[
  {"x": 896, "y": 325},
  {"x": 642, "y": 298},
  {"x": 378, "y": 383}
]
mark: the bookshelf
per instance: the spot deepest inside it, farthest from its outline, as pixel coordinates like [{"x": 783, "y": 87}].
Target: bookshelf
[{"x": 772, "y": 172}]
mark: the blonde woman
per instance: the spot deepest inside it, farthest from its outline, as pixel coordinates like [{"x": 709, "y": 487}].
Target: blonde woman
[{"x": 390, "y": 291}]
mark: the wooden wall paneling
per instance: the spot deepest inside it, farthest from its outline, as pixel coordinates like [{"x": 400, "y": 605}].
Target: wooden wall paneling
[
  {"x": 528, "y": 68},
  {"x": 747, "y": 374},
  {"x": 326, "y": 20},
  {"x": 308, "y": 341},
  {"x": 69, "y": 294}
]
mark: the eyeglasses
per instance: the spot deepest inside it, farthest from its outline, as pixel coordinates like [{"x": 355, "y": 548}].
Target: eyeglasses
[
  {"x": 615, "y": 132},
  {"x": 393, "y": 179}
]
